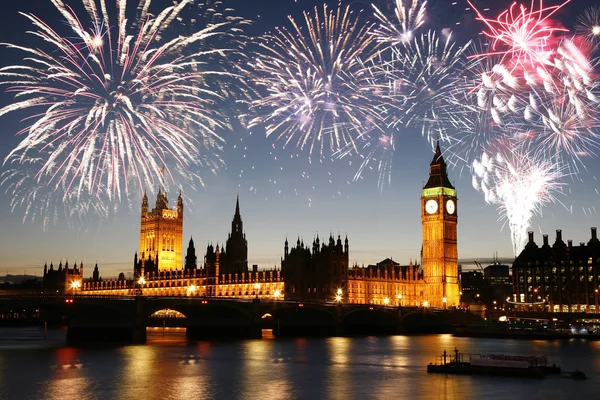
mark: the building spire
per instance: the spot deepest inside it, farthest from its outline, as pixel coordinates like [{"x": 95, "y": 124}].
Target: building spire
[
  {"x": 237, "y": 206},
  {"x": 438, "y": 177}
]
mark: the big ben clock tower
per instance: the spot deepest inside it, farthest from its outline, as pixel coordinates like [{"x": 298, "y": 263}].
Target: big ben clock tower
[{"x": 440, "y": 252}]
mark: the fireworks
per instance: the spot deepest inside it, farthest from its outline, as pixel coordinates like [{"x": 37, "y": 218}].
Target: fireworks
[
  {"x": 407, "y": 21},
  {"x": 317, "y": 89},
  {"x": 520, "y": 184},
  {"x": 588, "y": 24},
  {"x": 522, "y": 35},
  {"x": 120, "y": 104}
]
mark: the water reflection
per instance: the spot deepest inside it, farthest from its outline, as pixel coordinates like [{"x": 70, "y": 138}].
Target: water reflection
[
  {"x": 138, "y": 371},
  {"x": 266, "y": 371},
  {"x": 335, "y": 368}
]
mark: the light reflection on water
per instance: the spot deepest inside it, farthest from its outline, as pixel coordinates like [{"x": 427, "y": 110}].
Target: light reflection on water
[{"x": 169, "y": 367}]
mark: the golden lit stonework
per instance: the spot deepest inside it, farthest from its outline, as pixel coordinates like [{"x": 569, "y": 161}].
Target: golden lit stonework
[{"x": 440, "y": 251}]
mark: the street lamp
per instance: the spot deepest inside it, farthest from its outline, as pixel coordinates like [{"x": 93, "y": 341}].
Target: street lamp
[
  {"x": 75, "y": 285},
  {"x": 425, "y": 304},
  {"x": 444, "y": 300},
  {"x": 276, "y": 295},
  {"x": 399, "y": 299},
  {"x": 596, "y": 298},
  {"x": 338, "y": 298},
  {"x": 256, "y": 288},
  {"x": 141, "y": 282},
  {"x": 191, "y": 289}
]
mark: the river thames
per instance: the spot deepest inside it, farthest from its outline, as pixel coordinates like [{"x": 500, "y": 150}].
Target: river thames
[{"x": 168, "y": 367}]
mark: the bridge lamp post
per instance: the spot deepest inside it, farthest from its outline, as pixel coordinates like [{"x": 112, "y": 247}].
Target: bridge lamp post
[
  {"x": 141, "y": 282},
  {"x": 256, "y": 288},
  {"x": 191, "y": 290},
  {"x": 276, "y": 296},
  {"x": 596, "y": 299},
  {"x": 338, "y": 298},
  {"x": 386, "y": 301},
  {"x": 444, "y": 302},
  {"x": 399, "y": 301},
  {"x": 425, "y": 304},
  {"x": 76, "y": 284}
]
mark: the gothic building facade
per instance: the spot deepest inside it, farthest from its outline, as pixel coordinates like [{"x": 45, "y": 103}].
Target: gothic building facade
[
  {"x": 161, "y": 231},
  {"x": 315, "y": 273},
  {"x": 319, "y": 272},
  {"x": 439, "y": 219},
  {"x": 64, "y": 278}
]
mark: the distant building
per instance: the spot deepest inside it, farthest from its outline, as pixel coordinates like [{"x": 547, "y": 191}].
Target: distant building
[
  {"x": 558, "y": 277},
  {"x": 472, "y": 284},
  {"x": 499, "y": 282}
]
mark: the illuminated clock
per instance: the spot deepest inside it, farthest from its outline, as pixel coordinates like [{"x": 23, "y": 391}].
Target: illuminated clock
[
  {"x": 450, "y": 207},
  {"x": 431, "y": 206}
]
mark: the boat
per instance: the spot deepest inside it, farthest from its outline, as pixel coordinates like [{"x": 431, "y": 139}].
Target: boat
[{"x": 493, "y": 365}]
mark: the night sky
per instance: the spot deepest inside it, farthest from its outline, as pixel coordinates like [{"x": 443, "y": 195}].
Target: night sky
[{"x": 282, "y": 194}]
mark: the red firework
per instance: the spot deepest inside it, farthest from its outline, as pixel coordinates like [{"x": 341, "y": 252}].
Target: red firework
[{"x": 524, "y": 35}]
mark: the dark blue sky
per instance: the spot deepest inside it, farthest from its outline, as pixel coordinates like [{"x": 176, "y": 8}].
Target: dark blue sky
[{"x": 281, "y": 193}]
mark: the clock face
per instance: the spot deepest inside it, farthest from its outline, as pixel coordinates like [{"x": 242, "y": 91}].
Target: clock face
[
  {"x": 450, "y": 207},
  {"x": 431, "y": 206}
]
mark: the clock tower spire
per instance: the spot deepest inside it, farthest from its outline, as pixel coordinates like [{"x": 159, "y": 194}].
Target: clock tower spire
[{"x": 440, "y": 251}]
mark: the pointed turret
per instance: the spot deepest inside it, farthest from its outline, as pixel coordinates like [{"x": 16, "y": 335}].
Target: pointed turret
[
  {"x": 190, "y": 258},
  {"x": 180, "y": 205}
]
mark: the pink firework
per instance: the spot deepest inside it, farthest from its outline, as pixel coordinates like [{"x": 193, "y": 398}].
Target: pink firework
[{"x": 522, "y": 34}]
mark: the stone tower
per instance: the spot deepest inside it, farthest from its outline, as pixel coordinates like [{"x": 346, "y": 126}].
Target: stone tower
[
  {"x": 235, "y": 254},
  {"x": 440, "y": 252},
  {"x": 161, "y": 233}
]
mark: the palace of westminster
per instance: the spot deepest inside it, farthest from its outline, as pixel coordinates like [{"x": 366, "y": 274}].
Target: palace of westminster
[
  {"x": 309, "y": 272},
  {"x": 558, "y": 277}
]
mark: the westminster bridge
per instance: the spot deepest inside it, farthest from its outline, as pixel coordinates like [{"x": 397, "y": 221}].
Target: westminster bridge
[{"x": 109, "y": 318}]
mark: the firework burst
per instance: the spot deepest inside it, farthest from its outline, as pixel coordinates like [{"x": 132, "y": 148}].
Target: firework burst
[
  {"x": 522, "y": 35},
  {"x": 422, "y": 81},
  {"x": 124, "y": 103},
  {"x": 408, "y": 17},
  {"x": 520, "y": 183},
  {"x": 588, "y": 24},
  {"x": 317, "y": 89}
]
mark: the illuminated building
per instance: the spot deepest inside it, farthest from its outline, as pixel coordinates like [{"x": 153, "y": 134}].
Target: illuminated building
[
  {"x": 161, "y": 235},
  {"x": 225, "y": 273},
  {"x": 386, "y": 283},
  {"x": 440, "y": 251},
  {"x": 320, "y": 272},
  {"x": 558, "y": 277}
]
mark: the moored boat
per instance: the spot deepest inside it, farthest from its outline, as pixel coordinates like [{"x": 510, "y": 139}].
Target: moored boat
[{"x": 493, "y": 364}]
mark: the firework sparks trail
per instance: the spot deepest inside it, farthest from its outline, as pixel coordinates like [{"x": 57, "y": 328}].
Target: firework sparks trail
[
  {"x": 409, "y": 16},
  {"x": 522, "y": 35},
  {"x": 118, "y": 104},
  {"x": 421, "y": 86},
  {"x": 550, "y": 110},
  {"x": 588, "y": 24},
  {"x": 317, "y": 89},
  {"x": 520, "y": 184}
]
